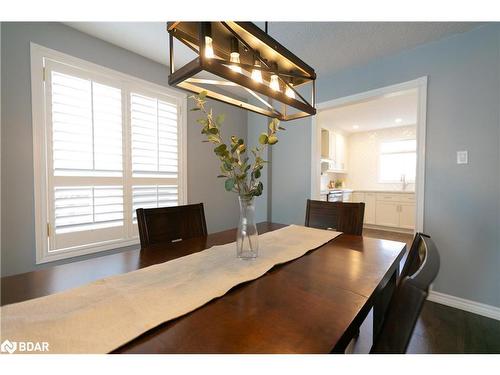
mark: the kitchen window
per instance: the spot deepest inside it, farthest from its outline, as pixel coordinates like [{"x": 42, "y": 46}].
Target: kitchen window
[
  {"x": 105, "y": 144},
  {"x": 398, "y": 161}
]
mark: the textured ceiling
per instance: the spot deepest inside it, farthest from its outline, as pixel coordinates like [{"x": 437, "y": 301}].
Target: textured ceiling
[{"x": 327, "y": 46}]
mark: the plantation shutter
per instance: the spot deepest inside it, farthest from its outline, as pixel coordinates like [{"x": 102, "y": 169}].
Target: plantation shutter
[
  {"x": 86, "y": 193},
  {"x": 112, "y": 146},
  {"x": 155, "y": 149}
]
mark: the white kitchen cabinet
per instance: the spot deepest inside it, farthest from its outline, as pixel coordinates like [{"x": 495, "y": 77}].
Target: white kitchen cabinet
[
  {"x": 407, "y": 215},
  {"x": 333, "y": 148},
  {"x": 370, "y": 208},
  {"x": 358, "y": 197},
  {"x": 369, "y": 201},
  {"x": 325, "y": 144},
  {"x": 396, "y": 210},
  {"x": 387, "y": 213}
]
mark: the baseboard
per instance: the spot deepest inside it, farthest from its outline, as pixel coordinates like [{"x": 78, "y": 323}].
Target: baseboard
[{"x": 465, "y": 304}]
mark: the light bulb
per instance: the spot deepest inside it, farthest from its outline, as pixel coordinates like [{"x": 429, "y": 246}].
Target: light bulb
[
  {"x": 235, "y": 58},
  {"x": 209, "y": 50},
  {"x": 256, "y": 73},
  {"x": 274, "y": 83},
  {"x": 289, "y": 92}
]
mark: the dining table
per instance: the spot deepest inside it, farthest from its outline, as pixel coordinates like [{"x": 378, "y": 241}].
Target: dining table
[{"x": 313, "y": 304}]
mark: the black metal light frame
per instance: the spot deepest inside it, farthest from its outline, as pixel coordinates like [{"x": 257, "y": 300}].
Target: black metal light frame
[{"x": 273, "y": 57}]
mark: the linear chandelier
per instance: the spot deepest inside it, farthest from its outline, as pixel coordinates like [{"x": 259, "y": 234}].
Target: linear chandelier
[{"x": 237, "y": 60}]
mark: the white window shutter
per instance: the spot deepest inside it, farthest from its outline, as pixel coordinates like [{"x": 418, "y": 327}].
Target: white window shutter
[{"x": 112, "y": 146}]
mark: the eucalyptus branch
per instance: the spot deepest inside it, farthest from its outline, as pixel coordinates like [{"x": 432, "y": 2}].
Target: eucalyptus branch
[{"x": 234, "y": 162}]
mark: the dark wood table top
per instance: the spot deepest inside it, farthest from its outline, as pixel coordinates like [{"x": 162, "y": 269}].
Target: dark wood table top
[{"x": 308, "y": 305}]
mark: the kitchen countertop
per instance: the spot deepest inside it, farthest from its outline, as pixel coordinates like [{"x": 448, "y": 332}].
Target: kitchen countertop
[
  {"x": 343, "y": 190},
  {"x": 385, "y": 191}
]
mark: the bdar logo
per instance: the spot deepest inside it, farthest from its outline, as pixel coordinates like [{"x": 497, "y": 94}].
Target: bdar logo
[{"x": 8, "y": 346}]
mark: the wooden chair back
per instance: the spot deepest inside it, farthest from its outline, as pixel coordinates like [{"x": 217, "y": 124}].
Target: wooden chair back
[
  {"x": 406, "y": 304},
  {"x": 343, "y": 217},
  {"x": 167, "y": 224},
  {"x": 416, "y": 256}
]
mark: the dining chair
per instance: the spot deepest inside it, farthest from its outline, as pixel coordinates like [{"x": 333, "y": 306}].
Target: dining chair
[
  {"x": 415, "y": 256},
  {"x": 343, "y": 217},
  {"x": 406, "y": 303},
  {"x": 167, "y": 224}
]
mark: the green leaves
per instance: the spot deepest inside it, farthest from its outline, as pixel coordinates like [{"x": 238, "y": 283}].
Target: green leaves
[
  {"x": 272, "y": 139},
  {"x": 229, "y": 184},
  {"x": 273, "y": 125},
  {"x": 220, "y": 150},
  {"x": 241, "y": 176}
]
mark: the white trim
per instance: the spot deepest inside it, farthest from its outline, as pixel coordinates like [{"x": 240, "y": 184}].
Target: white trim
[
  {"x": 182, "y": 181},
  {"x": 39, "y": 151},
  {"x": 90, "y": 249},
  {"x": 465, "y": 304},
  {"x": 41, "y": 60},
  {"x": 421, "y": 85}
]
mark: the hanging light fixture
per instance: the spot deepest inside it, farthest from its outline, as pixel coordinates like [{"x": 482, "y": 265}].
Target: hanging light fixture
[
  {"x": 289, "y": 91},
  {"x": 267, "y": 70},
  {"x": 235, "y": 56},
  {"x": 256, "y": 73},
  {"x": 209, "y": 49},
  {"x": 274, "y": 83}
]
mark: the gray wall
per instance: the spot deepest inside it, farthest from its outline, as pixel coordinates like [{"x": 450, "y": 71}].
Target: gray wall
[
  {"x": 258, "y": 124},
  {"x": 18, "y": 235},
  {"x": 462, "y": 202},
  {"x": 292, "y": 172}
]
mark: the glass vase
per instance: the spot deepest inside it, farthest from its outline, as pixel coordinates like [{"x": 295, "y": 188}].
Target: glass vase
[{"x": 247, "y": 238}]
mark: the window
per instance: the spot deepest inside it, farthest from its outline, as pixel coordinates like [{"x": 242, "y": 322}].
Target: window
[
  {"x": 398, "y": 159},
  {"x": 105, "y": 144}
]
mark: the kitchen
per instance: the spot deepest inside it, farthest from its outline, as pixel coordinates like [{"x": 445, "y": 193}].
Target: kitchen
[{"x": 368, "y": 153}]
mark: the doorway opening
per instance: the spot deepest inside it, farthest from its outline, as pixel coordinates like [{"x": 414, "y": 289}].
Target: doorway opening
[{"x": 370, "y": 147}]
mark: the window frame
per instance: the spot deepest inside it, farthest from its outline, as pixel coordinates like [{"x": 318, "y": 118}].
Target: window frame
[
  {"x": 40, "y": 57},
  {"x": 380, "y": 154}
]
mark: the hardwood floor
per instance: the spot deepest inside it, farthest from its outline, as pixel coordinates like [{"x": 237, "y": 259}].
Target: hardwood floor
[{"x": 440, "y": 329}]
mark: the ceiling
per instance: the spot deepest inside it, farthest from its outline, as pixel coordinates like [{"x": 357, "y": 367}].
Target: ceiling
[
  {"x": 346, "y": 44},
  {"x": 388, "y": 111}
]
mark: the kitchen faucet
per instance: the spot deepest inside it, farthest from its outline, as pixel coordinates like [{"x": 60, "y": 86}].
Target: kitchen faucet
[{"x": 403, "y": 181}]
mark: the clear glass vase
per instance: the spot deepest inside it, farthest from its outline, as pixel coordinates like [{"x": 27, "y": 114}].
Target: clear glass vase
[{"x": 247, "y": 238}]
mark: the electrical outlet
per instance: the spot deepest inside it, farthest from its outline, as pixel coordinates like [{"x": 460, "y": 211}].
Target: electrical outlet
[{"x": 462, "y": 157}]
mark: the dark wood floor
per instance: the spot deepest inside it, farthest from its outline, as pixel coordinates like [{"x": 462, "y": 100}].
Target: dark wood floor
[{"x": 440, "y": 329}]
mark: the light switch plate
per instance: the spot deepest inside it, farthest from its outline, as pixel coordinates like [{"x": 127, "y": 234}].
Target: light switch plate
[{"x": 462, "y": 157}]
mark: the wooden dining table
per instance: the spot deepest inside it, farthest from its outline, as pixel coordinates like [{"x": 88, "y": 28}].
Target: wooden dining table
[{"x": 313, "y": 304}]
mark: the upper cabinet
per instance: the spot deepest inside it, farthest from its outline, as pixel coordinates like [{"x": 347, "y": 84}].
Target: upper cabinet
[
  {"x": 325, "y": 144},
  {"x": 334, "y": 148}
]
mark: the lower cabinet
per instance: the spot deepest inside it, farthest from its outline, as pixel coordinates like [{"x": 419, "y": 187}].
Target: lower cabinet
[
  {"x": 407, "y": 215},
  {"x": 395, "y": 210},
  {"x": 370, "y": 202},
  {"x": 387, "y": 214}
]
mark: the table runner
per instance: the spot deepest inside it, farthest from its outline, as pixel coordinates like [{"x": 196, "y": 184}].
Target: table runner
[{"x": 105, "y": 314}]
